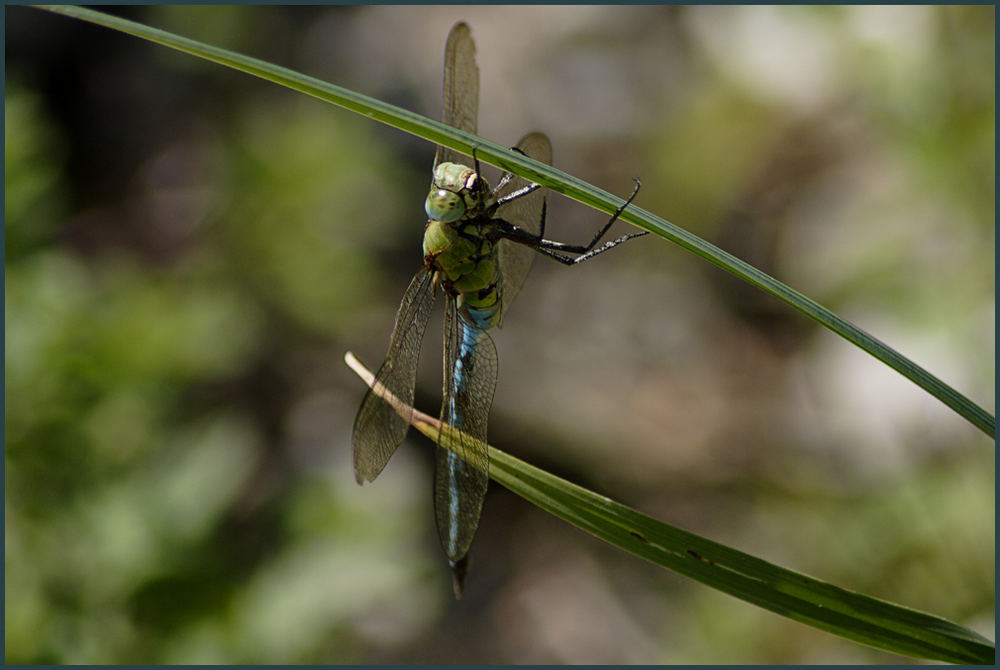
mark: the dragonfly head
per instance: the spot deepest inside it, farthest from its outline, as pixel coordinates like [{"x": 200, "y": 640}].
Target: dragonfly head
[{"x": 444, "y": 205}]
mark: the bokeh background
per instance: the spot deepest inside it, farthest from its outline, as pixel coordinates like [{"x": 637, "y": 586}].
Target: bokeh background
[{"x": 190, "y": 251}]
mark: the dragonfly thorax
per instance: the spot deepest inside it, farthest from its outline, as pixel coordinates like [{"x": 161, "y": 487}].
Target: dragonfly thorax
[
  {"x": 465, "y": 264},
  {"x": 457, "y": 192}
]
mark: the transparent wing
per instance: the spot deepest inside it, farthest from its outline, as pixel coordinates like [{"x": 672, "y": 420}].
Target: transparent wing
[
  {"x": 525, "y": 212},
  {"x": 461, "y": 88},
  {"x": 378, "y": 429},
  {"x": 460, "y": 478}
]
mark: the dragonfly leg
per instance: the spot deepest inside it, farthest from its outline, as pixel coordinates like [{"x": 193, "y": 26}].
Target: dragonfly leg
[
  {"x": 524, "y": 190},
  {"x": 573, "y": 260},
  {"x": 505, "y": 179},
  {"x": 607, "y": 226},
  {"x": 475, "y": 162},
  {"x": 560, "y": 250}
]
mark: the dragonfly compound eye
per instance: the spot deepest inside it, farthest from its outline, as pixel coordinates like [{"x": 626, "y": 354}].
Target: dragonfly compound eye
[{"x": 444, "y": 206}]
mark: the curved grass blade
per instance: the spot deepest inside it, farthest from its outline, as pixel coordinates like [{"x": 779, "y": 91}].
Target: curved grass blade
[
  {"x": 556, "y": 180},
  {"x": 845, "y": 613},
  {"x": 819, "y": 604}
]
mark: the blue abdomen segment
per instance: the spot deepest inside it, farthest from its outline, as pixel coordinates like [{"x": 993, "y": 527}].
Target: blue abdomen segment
[{"x": 461, "y": 475}]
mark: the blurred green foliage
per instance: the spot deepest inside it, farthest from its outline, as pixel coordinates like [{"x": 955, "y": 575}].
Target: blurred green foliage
[
  {"x": 189, "y": 252},
  {"x": 134, "y": 449}
]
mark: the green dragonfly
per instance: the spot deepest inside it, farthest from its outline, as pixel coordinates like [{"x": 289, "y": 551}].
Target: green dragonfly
[{"x": 478, "y": 245}]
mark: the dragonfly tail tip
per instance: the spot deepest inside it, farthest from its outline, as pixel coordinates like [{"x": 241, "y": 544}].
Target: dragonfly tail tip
[{"x": 459, "y": 568}]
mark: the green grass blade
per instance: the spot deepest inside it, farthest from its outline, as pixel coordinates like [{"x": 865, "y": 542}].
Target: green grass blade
[
  {"x": 851, "y": 615},
  {"x": 810, "y": 601},
  {"x": 557, "y": 181}
]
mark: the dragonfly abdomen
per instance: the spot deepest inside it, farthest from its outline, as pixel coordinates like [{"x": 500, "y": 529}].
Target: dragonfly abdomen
[{"x": 462, "y": 472}]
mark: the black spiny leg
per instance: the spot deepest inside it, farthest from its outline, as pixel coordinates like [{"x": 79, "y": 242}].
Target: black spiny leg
[
  {"x": 559, "y": 250},
  {"x": 504, "y": 180}
]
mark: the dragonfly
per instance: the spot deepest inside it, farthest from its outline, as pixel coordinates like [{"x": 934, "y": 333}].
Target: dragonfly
[{"x": 478, "y": 245}]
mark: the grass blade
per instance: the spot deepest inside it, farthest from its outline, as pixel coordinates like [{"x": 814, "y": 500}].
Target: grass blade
[{"x": 848, "y": 614}]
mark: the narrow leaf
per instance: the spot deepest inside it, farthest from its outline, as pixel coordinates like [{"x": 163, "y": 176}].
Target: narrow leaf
[{"x": 851, "y": 615}]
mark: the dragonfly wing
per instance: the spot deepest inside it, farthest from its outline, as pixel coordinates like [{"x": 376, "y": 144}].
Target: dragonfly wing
[
  {"x": 461, "y": 88},
  {"x": 525, "y": 212},
  {"x": 378, "y": 428},
  {"x": 461, "y": 476}
]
